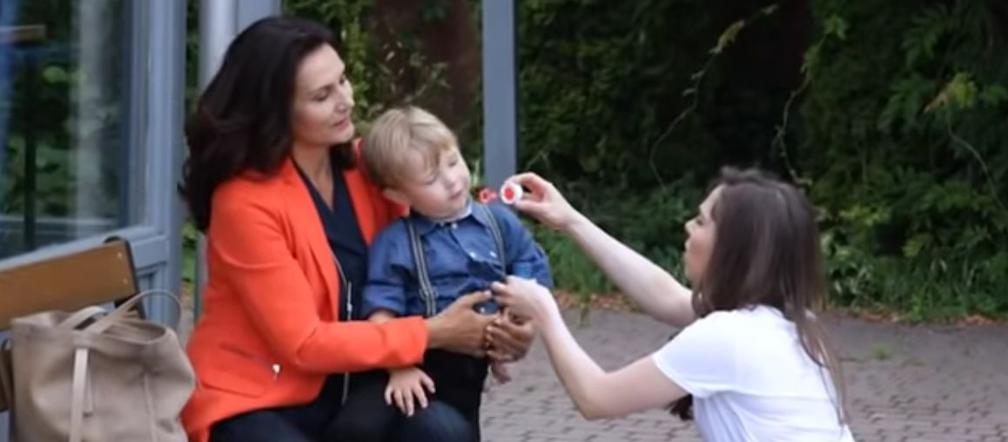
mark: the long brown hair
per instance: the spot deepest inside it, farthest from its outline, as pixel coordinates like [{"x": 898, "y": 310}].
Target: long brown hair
[
  {"x": 242, "y": 119},
  {"x": 766, "y": 252}
]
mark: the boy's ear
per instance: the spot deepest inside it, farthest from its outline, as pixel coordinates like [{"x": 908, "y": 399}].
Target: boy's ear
[{"x": 396, "y": 196}]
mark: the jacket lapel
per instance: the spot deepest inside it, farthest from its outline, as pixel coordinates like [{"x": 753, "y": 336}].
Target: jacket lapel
[{"x": 306, "y": 221}]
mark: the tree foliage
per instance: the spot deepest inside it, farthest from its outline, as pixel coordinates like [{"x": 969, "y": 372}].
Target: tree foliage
[{"x": 891, "y": 114}]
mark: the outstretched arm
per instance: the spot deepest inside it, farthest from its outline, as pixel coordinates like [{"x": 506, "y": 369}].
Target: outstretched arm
[
  {"x": 654, "y": 289},
  {"x": 596, "y": 393}
]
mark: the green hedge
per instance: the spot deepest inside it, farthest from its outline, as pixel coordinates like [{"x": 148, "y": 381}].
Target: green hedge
[{"x": 890, "y": 113}]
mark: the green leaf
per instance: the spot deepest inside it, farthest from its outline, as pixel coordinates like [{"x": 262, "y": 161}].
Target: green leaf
[
  {"x": 728, "y": 36},
  {"x": 836, "y": 26},
  {"x": 994, "y": 95},
  {"x": 959, "y": 93},
  {"x": 54, "y": 75},
  {"x": 914, "y": 245}
]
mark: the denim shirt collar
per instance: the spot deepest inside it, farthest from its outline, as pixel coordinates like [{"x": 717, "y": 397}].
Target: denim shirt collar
[{"x": 425, "y": 225}]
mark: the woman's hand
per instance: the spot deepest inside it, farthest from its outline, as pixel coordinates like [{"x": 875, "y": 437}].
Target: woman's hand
[
  {"x": 459, "y": 328},
  {"x": 407, "y": 385},
  {"x": 525, "y": 298},
  {"x": 509, "y": 337},
  {"x": 544, "y": 202}
]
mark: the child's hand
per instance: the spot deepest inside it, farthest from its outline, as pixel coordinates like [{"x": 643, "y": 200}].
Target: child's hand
[
  {"x": 405, "y": 385},
  {"x": 500, "y": 372}
]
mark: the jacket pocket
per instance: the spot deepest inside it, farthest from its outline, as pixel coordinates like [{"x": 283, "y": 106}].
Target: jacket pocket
[{"x": 240, "y": 372}]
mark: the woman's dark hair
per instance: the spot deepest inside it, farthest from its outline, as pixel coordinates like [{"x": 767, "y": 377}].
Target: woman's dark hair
[
  {"x": 242, "y": 119},
  {"x": 766, "y": 252}
]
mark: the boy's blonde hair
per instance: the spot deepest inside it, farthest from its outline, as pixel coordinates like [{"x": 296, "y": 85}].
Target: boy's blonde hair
[{"x": 396, "y": 132}]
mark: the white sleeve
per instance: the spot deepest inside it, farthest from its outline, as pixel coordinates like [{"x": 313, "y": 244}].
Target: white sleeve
[{"x": 702, "y": 359}]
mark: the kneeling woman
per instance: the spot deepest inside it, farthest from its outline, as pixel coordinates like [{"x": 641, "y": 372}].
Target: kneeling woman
[{"x": 752, "y": 354}]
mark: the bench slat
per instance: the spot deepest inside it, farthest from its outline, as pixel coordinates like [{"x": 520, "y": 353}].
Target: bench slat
[{"x": 94, "y": 276}]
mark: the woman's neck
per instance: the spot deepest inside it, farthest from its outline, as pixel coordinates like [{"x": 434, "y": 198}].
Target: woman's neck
[{"x": 315, "y": 162}]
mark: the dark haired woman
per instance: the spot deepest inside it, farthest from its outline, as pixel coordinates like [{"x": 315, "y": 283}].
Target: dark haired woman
[
  {"x": 752, "y": 354},
  {"x": 272, "y": 179}
]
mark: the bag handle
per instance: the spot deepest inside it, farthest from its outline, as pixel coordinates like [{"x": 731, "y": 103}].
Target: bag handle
[
  {"x": 80, "y": 316},
  {"x": 7, "y": 375},
  {"x": 116, "y": 315},
  {"x": 86, "y": 313},
  {"x": 80, "y": 370},
  {"x": 80, "y": 375}
]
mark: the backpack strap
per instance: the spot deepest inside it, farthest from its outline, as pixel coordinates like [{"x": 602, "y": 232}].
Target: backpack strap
[{"x": 427, "y": 291}]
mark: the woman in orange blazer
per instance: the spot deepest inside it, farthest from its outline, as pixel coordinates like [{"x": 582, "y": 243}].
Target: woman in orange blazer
[{"x": 273, "y": 181}]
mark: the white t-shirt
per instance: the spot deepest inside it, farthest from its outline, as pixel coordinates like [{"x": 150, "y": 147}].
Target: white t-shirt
[{"x": 751, "y": 380}]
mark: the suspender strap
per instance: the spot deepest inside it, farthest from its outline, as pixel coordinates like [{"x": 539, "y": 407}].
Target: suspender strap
[
  {"x": 427, "y": 291},
  {"x": 495, "y": 231}
]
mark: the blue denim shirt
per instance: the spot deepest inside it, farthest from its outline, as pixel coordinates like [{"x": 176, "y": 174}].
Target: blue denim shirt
[{"x": 461, "y": 258}]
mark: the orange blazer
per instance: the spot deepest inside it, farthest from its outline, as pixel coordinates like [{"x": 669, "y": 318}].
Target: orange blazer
[{"x": 268, "y": 335}]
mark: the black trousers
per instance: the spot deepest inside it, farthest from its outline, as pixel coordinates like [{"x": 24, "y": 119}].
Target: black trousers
[
  {"x": 452, "y": 416},
  {"x": 302, "y": 423}
]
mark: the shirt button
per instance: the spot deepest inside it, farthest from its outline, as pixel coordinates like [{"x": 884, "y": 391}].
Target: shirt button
[
  {"x": 472, "y": 255},
  {"x": 492, "y": 254},
  {"x": 454, "y": 225}
]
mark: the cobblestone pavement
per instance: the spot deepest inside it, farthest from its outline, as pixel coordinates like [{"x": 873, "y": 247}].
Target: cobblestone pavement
[{"x": 905, "y": 383}]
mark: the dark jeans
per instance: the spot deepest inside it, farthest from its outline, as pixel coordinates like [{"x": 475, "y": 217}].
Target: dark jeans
[
  {"x": 439, "y": 422},
  {"x": 451, "y": 416},
  {"x": 303, "y": 423},
  {"x": 366, "y": 418}
]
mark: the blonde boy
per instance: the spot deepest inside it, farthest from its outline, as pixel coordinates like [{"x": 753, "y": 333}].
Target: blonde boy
[{"x": 448, "y": 246}]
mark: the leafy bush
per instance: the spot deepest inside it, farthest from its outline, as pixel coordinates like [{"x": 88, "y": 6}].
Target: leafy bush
[
  {"x": 890, "y": 114},
  {"x": 905, "y": 147}
]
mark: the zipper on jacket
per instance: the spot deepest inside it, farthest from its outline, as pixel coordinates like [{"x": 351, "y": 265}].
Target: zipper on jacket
[
  {"x": 349, "y": 315},
  {"x": 274, "y": 367},
  {"x": 349, "y": 301},
  {"x": 346, "y": 388},
  {"x": 346, "y": 376}
]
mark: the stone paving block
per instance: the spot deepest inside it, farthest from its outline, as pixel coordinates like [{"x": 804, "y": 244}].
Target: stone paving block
[{"x": 939, "y": 383}]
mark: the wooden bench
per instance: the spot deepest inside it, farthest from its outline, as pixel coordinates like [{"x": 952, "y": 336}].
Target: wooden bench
[
  {"x": 95, "y": 276},
  {"x": 69, "y": 282}
]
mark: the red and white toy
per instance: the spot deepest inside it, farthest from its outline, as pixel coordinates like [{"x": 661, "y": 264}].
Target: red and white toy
[{"x": 510, "y": 192}]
